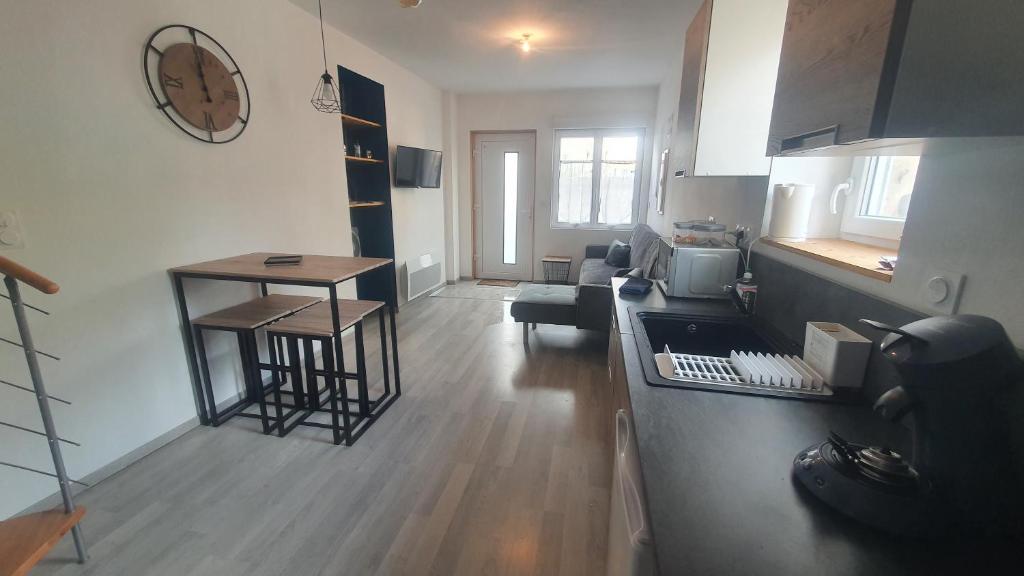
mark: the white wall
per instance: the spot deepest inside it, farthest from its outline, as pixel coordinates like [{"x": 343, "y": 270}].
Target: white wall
[
  {"x": 111, "y": 195},
  {"x": 545, "y": 112},
  {"x": 965, "y": 216},
  {"x": 731, "y": 200}
]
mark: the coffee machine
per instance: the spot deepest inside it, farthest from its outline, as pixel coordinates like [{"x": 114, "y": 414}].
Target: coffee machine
[{"x": 960, "y": 377}]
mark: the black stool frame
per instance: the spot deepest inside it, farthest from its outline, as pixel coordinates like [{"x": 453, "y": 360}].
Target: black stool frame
[{"x": 346, "y": 425}]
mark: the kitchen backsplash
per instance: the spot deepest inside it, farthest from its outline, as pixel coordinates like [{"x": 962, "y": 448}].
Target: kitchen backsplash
[{"x": 789, "y": 297}]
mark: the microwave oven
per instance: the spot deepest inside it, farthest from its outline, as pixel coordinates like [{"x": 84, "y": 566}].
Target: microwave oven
[{"x": 696, "y": 271}]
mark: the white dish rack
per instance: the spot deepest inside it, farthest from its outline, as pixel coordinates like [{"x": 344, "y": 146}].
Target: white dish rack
[{"x": 784, "y": 374}]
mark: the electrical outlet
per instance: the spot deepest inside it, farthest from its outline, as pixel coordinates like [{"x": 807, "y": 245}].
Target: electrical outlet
[
  {"x": 941, "y": 291},
  {"x": 11, "y": 234}
]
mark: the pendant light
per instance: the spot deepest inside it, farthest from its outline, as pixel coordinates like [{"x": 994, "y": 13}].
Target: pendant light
[{"x": 325, "y": 98}]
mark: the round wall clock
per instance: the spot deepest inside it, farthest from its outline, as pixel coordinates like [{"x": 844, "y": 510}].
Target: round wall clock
[{"x": 196, "y": 84}]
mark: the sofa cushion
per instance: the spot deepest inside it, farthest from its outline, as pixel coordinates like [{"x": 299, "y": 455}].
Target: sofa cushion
[
  {"x": 595, "y": 271},
  {"x": 618, "y": 254},
  {"x": 546, "y": 304},
  {"x": 643, "y": 247}
]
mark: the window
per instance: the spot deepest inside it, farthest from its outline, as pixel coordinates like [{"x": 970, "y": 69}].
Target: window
[
  {"x": 510, "y": 222},
  {"x": 597, "y": 178},
  {"x": 881, "y": 188}
]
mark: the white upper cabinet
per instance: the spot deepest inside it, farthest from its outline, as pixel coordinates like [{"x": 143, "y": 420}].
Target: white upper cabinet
[{"x": 730, "y": 65}]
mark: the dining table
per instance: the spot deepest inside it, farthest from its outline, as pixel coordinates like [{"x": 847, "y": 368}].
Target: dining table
[{"x": 311, "y": 271}]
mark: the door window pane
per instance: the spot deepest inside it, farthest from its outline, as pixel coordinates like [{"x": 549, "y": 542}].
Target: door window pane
[
  {"x": 889, "y": 186},
  {"x": 575, "y": 179},
  {"x": 618, "y": 179},
  {"x": 510, "y": 219}
]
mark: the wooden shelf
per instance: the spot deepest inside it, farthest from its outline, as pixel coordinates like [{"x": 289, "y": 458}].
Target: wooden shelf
[
  {"x": 858, "y": 258},
  {"x": 363, "y": 204},
  {"x": 363, "y": 160},
  {"x": 354, "y": 121},
  {"x": 25, "y": 540}
]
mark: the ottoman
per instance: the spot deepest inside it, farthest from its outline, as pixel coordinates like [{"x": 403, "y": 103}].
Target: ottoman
[{"x": 545, "y": 304}]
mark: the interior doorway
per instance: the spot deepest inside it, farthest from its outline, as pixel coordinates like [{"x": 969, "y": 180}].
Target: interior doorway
[{"x": 504, "y": 168}]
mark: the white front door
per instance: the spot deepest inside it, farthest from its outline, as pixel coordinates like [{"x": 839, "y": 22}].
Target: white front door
[{"x": 504, "y": 205}]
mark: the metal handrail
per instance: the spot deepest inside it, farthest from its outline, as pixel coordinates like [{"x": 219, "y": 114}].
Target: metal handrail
[{"x": 13, "y": 273}]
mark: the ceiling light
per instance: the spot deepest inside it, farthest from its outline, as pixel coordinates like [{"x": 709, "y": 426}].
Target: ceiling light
[
  {"x": 410, "y": 3},
  {"x": 524, "y": 44}
]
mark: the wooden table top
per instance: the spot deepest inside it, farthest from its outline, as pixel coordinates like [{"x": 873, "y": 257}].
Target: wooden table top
[
  {"x": 255, "y": 313},
  {"x": 313, "y": 268},
  {"x": 315, "y": 321}
]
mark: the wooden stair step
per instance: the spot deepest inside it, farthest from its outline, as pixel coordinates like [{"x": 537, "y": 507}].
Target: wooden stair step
[{"x": 25, "y": 540}]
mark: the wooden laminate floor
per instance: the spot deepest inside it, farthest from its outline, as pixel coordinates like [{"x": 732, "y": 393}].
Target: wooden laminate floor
[{"x": 496, "y": 460}]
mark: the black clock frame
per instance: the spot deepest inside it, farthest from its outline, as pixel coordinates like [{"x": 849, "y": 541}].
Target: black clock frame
[{"x": 165, "y": 105}]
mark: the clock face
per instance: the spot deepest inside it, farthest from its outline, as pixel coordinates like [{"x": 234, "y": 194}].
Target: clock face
[
  {"x": 196, "y": 84},
  {"x": 199, "y": 87}
]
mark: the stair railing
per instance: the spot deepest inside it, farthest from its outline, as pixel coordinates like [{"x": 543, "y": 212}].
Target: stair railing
[{"x": 13, "y": 274}]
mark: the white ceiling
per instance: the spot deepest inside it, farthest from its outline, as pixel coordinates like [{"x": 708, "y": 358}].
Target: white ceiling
[{"x": 471, "y": 45}]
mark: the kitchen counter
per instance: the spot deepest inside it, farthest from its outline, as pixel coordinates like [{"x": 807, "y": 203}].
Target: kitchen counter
[{"x": 716, "y": 470}]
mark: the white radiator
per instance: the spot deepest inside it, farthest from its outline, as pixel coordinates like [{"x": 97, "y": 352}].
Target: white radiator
[{"x": 422, "y": 275}]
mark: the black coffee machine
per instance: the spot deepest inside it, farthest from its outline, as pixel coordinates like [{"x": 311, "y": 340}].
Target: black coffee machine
[{"x": 960, "y": 376}]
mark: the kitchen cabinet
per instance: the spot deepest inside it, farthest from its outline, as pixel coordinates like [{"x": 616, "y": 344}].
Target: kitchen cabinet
[
  {"x": 867, "y": 75},
  {"x": 730, "y": 62},
  {"x": 617, "y": 369}
]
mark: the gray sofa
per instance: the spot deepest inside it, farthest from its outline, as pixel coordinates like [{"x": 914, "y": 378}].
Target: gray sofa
[
  {"x": 588, "y": 305},
  {"x": 595, "y": 290}
]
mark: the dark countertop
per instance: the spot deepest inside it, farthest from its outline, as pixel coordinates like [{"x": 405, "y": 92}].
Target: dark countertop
[{"x": 716, "y": 470}]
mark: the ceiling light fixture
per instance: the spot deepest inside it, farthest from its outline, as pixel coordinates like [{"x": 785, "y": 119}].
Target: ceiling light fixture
[
  {"x": 410, "y": 3},
  {"x": 524, "y": 44},
  {"x": 325, "y": 98}
]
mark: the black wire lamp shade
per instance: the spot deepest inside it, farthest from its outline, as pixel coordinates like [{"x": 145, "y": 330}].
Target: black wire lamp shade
[{"x": 327, "y": 97}]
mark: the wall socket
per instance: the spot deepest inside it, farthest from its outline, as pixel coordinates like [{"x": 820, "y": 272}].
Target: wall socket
[{"x": 11, "y": 235}]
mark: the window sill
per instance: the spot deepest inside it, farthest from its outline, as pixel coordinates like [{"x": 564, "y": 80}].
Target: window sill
[
  {"x": 858, "y": 258},
  {"x": 594, "y": 228}
]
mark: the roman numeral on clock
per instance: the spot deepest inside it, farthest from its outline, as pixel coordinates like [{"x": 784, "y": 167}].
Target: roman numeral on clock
[
  {"x": 231, "y": 95},
  {"x": 208, "y": 121},
  {"x": 173, "y": 82}
]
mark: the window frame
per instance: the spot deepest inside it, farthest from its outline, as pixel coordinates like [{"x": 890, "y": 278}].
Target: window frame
[
  {"x": 599, "y": 134},
  {"x": 859, "y": 227}
]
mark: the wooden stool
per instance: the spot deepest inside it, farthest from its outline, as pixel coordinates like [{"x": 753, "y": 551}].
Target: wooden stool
[
  {"x": 244, "y": 320},
  {"x": 314, "y": 325}
]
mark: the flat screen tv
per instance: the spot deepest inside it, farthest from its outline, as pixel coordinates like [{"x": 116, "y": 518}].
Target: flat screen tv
[{"x": 417, "y": 168}]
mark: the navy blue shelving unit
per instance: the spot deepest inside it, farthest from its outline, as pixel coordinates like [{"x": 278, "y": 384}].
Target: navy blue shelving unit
[{"x": 364, "y": 121}]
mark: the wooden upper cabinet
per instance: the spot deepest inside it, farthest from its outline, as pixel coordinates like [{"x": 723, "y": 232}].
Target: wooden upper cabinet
[
  {"x": 730, "y": 62},
  {"x": 695, "y": 57},
  {"x": 858, "y": 76}
]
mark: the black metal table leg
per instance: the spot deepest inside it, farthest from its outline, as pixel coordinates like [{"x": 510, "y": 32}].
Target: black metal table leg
[
  {"x": 257, "y": 375},
  {"x": 296, "y": 370},
  {"x": 278, "y": 381},
  {"x": 346, "y": 416},
  {"x": 332, "y": 389},
  {"x": 364, "y": 393},
  {"x": 210, "y": 411},
  {"x": 312, "y": 385},
  {"x": 384, "y": 353},
  {"x": 394, "y": 351},
  {"x": 190, "y": 349}
]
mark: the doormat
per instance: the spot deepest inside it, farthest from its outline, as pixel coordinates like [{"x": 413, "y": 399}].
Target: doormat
[{"x": 499, "y": 283}]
